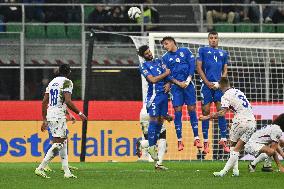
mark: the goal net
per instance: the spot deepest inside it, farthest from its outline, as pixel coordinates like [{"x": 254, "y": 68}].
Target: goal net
[{"x": 256, "y": 65}]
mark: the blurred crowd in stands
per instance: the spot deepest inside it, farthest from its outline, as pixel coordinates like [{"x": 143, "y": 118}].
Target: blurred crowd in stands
[
  {"x": 72, "y": 14},
  {"x": 273, "y": 13},
  {"x": 118, "y": 14}
]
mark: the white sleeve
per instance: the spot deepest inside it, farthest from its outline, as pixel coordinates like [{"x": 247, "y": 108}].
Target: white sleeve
[
  {"x": 47, "y": 90},
  {"x": 225, "y": 101},
  {"x": 67, "y": 86},
  {"x": 276, "y": 135}
]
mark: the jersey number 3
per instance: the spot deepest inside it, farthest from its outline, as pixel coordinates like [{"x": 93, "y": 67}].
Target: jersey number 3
[
  {"x": 245, "y": 101},
  {"x": 54, "y": 96}
]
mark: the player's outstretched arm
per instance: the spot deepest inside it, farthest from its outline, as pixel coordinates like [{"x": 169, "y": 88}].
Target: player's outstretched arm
[
  {"x": 222, "y": 112},
  {"x": 275, "y": 147},
  {"x": 71, "y": 105},
  {"x": 155, "y": 79},
  {"x": 225, "y": 71},
  {"x": 44, "y": 111},
  {"x": 71, "y": 116},
  {"x": 279, "y": 149}
]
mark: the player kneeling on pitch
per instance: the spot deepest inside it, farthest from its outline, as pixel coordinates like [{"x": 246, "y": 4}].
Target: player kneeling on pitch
[
  {"x": 267, "y": 166},
  {"x": 243, "y": 125},
  {"x": 144, "y": 144},
  {"x": 264, "y": 143}
]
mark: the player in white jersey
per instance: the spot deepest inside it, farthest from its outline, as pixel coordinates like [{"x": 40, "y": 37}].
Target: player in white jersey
[
  {"x": 54, "y": 107},
  {"x": 267, "y": 166},
  {"x": 243, "y": 123},
  {"x": 264, "y": 143}
]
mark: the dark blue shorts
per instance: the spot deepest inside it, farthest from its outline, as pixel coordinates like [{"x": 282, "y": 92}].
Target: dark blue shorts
[
  {"x": 182, "y": 96},
  {"x": 158, "y": 106},
  {"x": 210, "y": 95}
]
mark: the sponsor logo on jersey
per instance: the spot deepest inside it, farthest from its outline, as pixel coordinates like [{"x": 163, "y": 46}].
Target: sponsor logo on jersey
[
  {"x": 221, "y": 53},
  {"x": 170, "y": 59}
]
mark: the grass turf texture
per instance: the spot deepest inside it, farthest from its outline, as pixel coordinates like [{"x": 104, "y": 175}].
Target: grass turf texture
[{"x": 137, "y": 175}]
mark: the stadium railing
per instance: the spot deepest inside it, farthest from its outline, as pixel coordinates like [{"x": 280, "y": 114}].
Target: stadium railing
[{"x": 26, "y": 41}]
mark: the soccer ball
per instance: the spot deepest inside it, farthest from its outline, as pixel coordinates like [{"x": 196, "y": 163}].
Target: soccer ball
[{"x": 134, "y": 13}]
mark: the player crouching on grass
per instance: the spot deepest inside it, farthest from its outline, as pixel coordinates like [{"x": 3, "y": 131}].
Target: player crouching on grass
[
  {"x": 264, "y": 143},
  {"x": 267, "y": 166},
  {"x": 157, "y": 97},
  {"x": 243, "y": 125},
  {"x": 144, "y": 143}
]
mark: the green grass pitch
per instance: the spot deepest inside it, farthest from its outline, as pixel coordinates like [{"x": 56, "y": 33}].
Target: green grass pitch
[{"x": 137, "y": 175}]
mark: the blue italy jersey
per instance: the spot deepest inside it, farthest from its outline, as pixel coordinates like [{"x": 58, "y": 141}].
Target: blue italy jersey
[
  {"x": 153, "y": 68},
  {"x": 181, "y": 63},
  {"x": 213, "y": 61}
]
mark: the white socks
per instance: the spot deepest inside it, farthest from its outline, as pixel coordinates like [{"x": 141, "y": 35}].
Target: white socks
[
  {"x": 267, "y": 162},
  {"x": 144, "y": 143},
  {"x": 64, "y": 158},
  {"x": 162, "y": 148},
  {"x": 54, "y": 149},
  {"x": 236, "y": 165},
  {"x": 234, "y": 157},
  {"x": 259, "y": 158}
]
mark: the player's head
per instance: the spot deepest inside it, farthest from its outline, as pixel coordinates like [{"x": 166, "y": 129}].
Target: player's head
[
  {"x": 169, "y": 43},
  {"x": 213, "y": 39},
  {"x": 279, "y": 121},
  {"x": 64, "y": 70},
  {"x": 224, "y": 83},
  {"x": 145, "y": 52}
]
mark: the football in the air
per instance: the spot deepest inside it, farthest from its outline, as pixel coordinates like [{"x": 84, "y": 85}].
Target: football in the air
[{"x": 134, "y": 13}]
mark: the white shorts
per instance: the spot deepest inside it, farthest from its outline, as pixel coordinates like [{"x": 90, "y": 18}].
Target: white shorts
[
  {"x": 253, "y": 148},
  {"x": 58, "y": 128},
  {"x": 242, "y": 129}
]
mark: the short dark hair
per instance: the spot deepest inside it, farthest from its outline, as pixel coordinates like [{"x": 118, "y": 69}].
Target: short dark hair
[
  {"x": 279, "y": 121},
  {"x": 168, "y": 38},
  {"x": 212, "y": 33},
  {"x": 224, "y": 81},
  {"x": 142, "y": 49},
  {"x": 64, "y": 69}
]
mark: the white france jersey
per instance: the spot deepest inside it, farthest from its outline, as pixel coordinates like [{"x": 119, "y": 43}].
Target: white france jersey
[
  {"x": 56, "y": 107},
  {"x": 236, "y": 101},
  {"x": 267, "y": 134}
]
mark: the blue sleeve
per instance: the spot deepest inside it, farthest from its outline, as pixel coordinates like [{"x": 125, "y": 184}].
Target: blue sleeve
[
  {"x": 225, "y": 58},
  {"x": 200, "y": 54},
  {"x": 164, "y": 66},
  {"x": 191, "y": 61},
  {"x": 144, "y": 70},
  {"x": 165, "y": 61}
]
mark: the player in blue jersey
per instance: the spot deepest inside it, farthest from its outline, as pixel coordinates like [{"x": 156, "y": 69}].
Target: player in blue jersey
[
  {"x": 211, "y": 66},
  {"x": 157, "y": 98},
  {"x": 181, "y": 62}
]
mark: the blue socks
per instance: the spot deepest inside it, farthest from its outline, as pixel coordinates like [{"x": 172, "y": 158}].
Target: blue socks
[
  {"x": 152, "y": 135},
  {"x": 178, "y": 124},
  {"x": 205, "y": 127},
  {"x": 223, "y": 126},
  {"x": 194, "y": 122}
]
